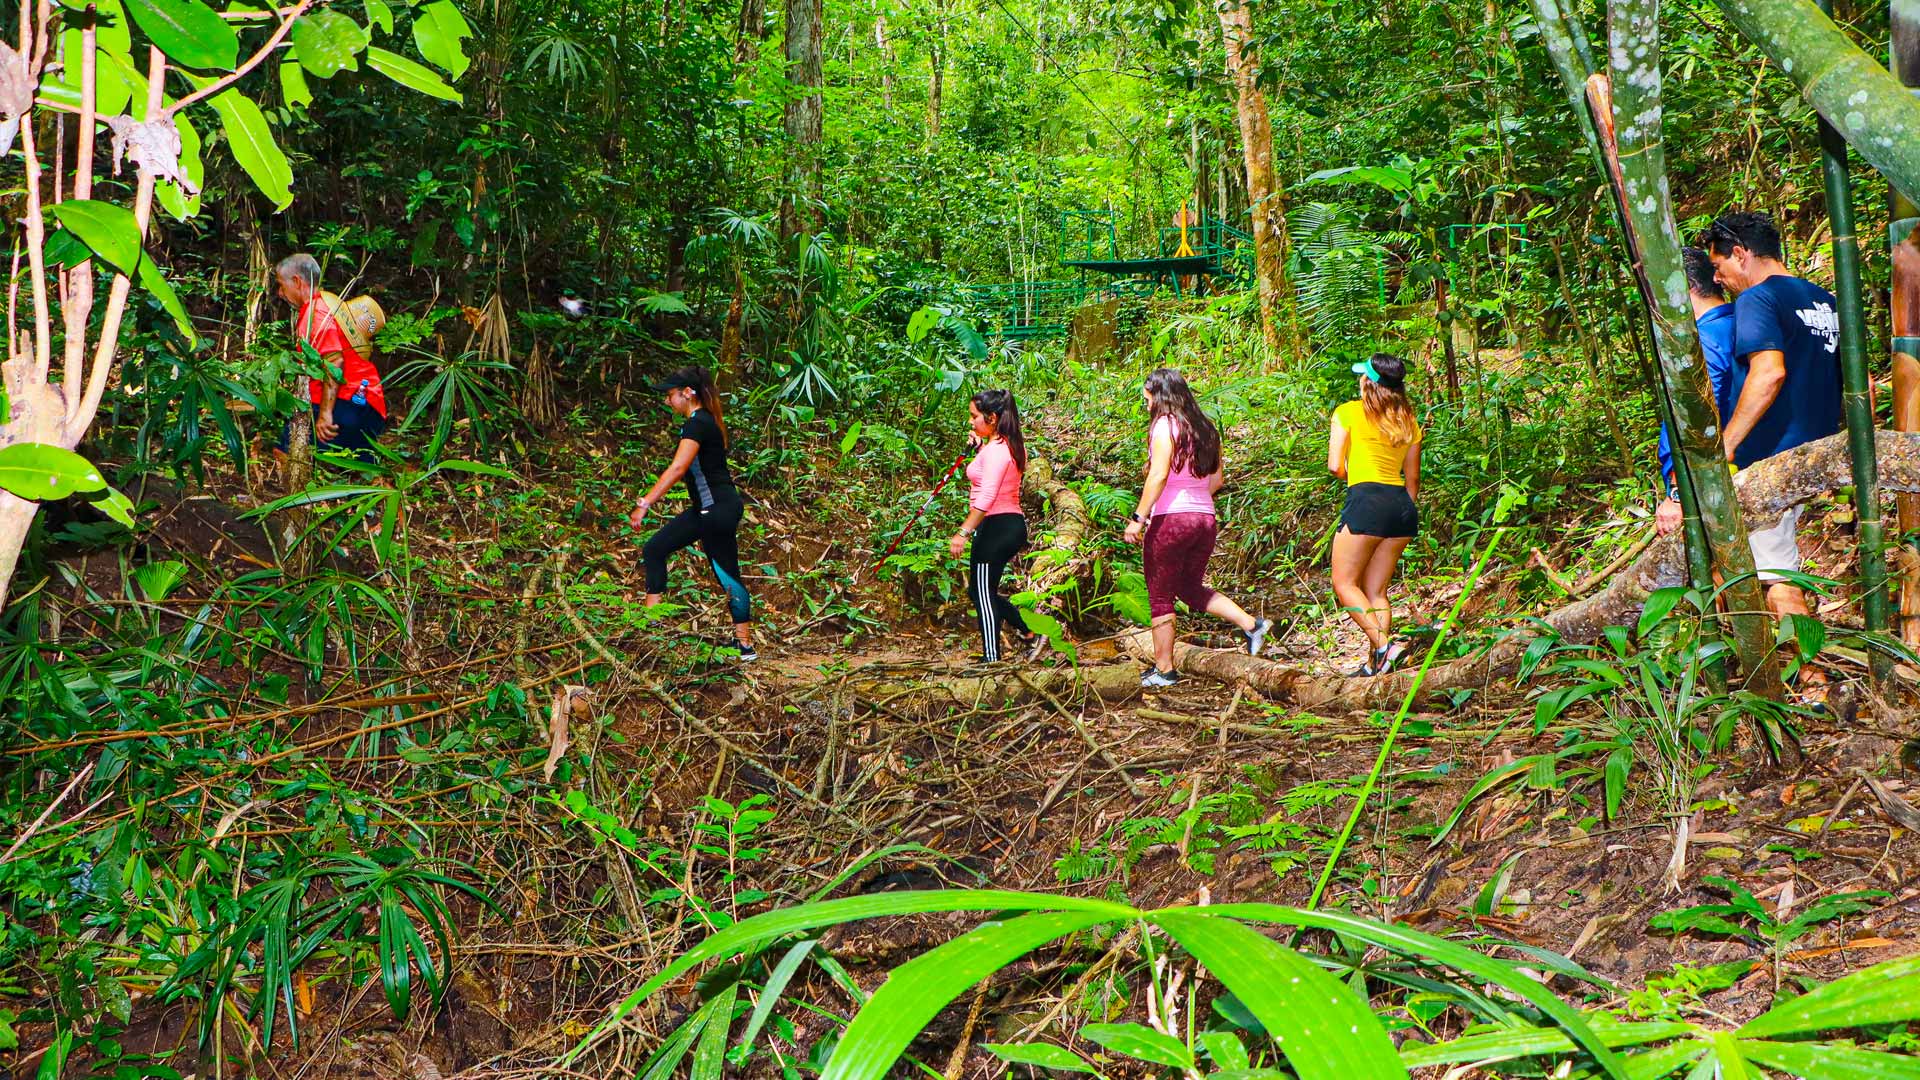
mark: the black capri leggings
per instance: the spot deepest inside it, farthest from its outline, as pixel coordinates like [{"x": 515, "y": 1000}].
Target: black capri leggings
[
  {"x": 717, "y": 530},
  {"x": 999, "y": 539}
]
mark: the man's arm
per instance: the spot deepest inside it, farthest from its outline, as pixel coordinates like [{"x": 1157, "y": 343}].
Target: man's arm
[
  {"x": 324, "y": 429},
  {"x": 1766, "y": 373}
]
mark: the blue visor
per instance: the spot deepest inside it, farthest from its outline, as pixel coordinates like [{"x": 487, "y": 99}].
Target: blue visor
[{"x": 1365, "y": 367}]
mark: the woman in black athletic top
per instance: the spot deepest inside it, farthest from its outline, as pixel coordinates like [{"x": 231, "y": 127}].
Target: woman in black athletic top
[{"x": 713, "y": 519}]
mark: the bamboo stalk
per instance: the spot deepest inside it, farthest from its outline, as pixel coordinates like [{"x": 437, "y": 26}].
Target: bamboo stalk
[
  {"x": 1856, "y": 397},
  {"x": 1904, "y": 60},
  {"x": 1630, "y": 136},
  {"x": 1866, "y": 105}
]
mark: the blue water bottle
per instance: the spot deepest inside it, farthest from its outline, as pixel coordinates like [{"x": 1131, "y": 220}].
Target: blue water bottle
[{"x": 360, "y": 395}]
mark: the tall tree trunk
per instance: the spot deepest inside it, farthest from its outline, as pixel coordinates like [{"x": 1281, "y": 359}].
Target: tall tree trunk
[
  {"x": 751, "y": 31},
  {"x": 1629, "y": 131},
  {"x": 936, "y": 79},
  {"x": 1905, "y": 17},
  {"x": 805, "y": 114},
  {"x": 1264, "y": 197},
  {"x": 885, "y": 46}
]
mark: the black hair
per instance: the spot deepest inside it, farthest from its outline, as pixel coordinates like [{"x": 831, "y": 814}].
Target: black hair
[
  {"x": 1006, "y": 421},
  {"x": 1385, "y": 399},
  {"x": 698, "y": 380},
  {"x": 1196, "y": 441},
  {"x": 1750, "y": 229},
  {"x": 1700, "y": 279}
]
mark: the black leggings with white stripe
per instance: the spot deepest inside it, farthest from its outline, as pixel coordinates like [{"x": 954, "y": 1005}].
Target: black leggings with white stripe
[{"x": 999, "y": 538}]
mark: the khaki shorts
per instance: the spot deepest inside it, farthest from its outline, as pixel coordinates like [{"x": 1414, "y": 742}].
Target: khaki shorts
[{"x": 1777, "y": 548}]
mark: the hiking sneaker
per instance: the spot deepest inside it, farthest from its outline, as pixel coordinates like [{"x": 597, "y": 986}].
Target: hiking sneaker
[
  {"x": 1154, "y": 679},
  {"x": 1257, "y": 637},
  {"x": 747, "y": 653},
  {"x": 1385, "y": 660}
]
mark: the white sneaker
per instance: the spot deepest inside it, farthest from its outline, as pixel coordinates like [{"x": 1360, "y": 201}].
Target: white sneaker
[{"x": 1257, "y": 637}]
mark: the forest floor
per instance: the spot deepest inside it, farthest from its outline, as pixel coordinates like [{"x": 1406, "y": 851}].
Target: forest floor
[{"x": 864, "y": 730}]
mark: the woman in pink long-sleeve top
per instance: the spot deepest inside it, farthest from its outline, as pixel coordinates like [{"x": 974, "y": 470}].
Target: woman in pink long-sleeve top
[{"x": 995, "y": 525}]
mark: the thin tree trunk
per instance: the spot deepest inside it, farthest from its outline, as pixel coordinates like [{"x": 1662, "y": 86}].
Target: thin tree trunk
[
  {"x": 1591, "y": 350},
  {"x": 936, "y": 79},
  {"x": 1905, "y": 58},
  {"x": 1264, "y": 197},
  {"x": 886, "y": 58},
  {"x": 805, "y": 113},
  {"x": 751, "y": 31},
  {"x": 1862, "y": 100},
  {"x": 1639, "y": 181}
]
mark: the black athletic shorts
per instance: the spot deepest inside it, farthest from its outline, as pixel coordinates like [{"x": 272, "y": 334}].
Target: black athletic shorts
[{"x": 1384, "y": 510}]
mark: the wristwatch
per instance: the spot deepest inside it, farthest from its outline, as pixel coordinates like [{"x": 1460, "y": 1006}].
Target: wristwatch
[{"x": 1136, "y": 519}]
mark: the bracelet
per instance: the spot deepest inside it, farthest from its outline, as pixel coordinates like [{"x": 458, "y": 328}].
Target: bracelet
[{"x": 968, "y": 532}]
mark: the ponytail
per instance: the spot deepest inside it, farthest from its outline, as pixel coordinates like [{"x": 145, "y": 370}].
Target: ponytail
[
  {"x": 1385, "y": 401},
  {"x": 700, "y": 382},
  {"x": 1006, "y": 421}
]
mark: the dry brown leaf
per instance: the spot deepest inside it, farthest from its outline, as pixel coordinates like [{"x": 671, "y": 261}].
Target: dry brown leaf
[
  {"x": 153, "y": 145},
  {"x": 567, "y": 700}
]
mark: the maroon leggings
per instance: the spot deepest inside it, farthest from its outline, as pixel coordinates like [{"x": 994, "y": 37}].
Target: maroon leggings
[{"x": 1176, "y": 552}]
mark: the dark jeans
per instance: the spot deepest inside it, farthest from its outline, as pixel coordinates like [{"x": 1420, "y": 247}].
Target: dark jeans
[
  {"x": 717, "y": 531},
  {"x": 359, "y": 426},
  {"x": 999, "y": 538}
]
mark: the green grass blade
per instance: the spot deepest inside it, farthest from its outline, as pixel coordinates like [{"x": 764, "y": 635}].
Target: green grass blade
[
  {"x": 1141, "y": 1043},
  {"x": 1884, "y": 993},
  {"x": 1531, "y": 1043},
  {"x": 1324, "y": 1028},
  {"x": 1655, "y": 1064},
  {"x": 710, "y": 1055},
  {"x": 775, "y": 986},
  {"x": 775, "y": 924},
  {"x": 1421, "y": 946},
  {"x": 917, "y": 990},
  {"x": 1813, "y": 1061}
]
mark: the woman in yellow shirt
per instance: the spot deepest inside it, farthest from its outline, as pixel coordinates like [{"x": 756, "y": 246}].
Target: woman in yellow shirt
[{"x": 1375, "y": 448}]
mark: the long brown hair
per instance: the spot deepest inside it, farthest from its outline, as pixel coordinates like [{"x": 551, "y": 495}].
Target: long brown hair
[
  {"x": 1006, "y": 421},
  {"x": 1196, "y": 441},
  {"x": 1385, "y": 400},
  {"x": 700, "y": 382}
]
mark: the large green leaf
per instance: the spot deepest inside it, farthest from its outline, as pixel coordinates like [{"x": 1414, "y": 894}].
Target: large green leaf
[
  {"x": 1532, "y": 1042},
  {"x": 917, "y": 990},
  {"x": 189, "y": 32},
  {"x": 379, "y": 14},
  {"x": 111, "y": 91},
  {"x": 111, "y": 30},
  {"x": 1141, "y": 1043},
  {"x": 39, "y": 471},
  {"x": 1812, "y": 1061},
  {"x": 173, "y": 196},
  {"x": 1413, "y": 943},
  {"x": 154, "y": 280},
  {"x": 1044, "y": 1055},
  {"x": 327, "y": 43},
  {"x": 1884, "y": 993},
  {"x": 1659, "y": 1063},
  {"x": 109, "y": 231},
  {"x": 759, "y": 929},
  {"x": 438, "y": 31},
  {"x": 253, "y": 147},
  {"x": 1324, "y": 1028},
  {"x": 410, "y": 75},
  {"x": 294, "y": 92}
]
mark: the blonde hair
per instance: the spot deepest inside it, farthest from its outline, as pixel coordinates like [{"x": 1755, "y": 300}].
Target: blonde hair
[{"x": 1389, "y": 412}]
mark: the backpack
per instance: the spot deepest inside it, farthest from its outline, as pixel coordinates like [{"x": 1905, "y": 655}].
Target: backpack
[{"x": 360, "y": 319}]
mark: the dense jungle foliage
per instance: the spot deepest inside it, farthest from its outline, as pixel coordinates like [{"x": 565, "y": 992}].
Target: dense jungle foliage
[{"x": 384, "y": 767}]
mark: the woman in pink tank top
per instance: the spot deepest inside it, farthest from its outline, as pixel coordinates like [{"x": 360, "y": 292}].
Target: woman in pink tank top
[
  {"x": 995, "y": 525},
  {"x": 1175, "y": 520}
]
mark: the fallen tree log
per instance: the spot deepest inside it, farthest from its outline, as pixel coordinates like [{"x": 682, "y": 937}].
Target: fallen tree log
[
  {"x": 1767, "y": 490},
  {"x": 938, "y": 695},
  {"x": 1066, "y": 552}
]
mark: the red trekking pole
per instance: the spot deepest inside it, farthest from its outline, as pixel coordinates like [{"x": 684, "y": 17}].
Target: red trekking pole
[{"x": 924, "y": 507}]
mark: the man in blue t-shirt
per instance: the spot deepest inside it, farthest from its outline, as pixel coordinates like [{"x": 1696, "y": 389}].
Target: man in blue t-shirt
[
  {"x": 1786, "y": 344},
  {"x": 1713, "y": 317}
]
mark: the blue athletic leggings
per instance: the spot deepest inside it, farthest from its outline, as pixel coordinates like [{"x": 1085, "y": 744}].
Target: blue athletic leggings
[{"x": 717, "y": 531}]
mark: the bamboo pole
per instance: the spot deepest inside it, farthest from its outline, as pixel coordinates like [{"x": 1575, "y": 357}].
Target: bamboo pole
[
  {"x": 1866, "y": 105},
  {"x": 1856, "y": 397},
  {"x": 1630, "y": 136},
  {"x": 1904, "y": 59}
]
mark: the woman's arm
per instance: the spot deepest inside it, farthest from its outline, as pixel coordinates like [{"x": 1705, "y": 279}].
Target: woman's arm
[
  {"x": 1412, "y": 468},
  {"x": 1219, "y": 478},
  {"x": 1159, "y": 464},
  {"x": 682, "y": 461},
  {"x": 1337, "y": 441}
]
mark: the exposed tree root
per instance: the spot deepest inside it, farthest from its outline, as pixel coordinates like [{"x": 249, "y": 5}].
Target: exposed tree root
[
  {"x": 1767, "y": 490},
  {"x": 937, "y": 695}
]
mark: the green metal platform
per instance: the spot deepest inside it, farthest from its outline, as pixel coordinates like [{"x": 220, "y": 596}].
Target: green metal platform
[{"x": 1026, "y": 310}]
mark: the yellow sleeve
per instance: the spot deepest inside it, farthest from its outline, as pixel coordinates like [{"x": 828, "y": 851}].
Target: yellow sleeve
[{"x": 1344, "y": 415}]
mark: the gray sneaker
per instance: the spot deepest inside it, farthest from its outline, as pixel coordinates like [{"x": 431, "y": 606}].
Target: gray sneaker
[
  {"x": 1155, "y": 678},
  {"x": 1257, "y": 637}
]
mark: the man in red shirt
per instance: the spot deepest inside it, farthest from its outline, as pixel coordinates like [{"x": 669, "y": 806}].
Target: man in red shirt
[{"x": 347, "y": 415}]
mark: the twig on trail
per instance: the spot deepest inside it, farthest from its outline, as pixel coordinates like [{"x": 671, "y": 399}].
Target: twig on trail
[
  {"x": 639, "y": 679},
  {"x": 1220, "y": 751},
  {"x": 78, "y": 779},
  {"x": 1826, "y": 822},
  {"x": 1060, "y": 785},
  {"x": 957, "y": 1061},
  {"x": 1108, "y": 959},
  {"x": 1133, "y": 786}
]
